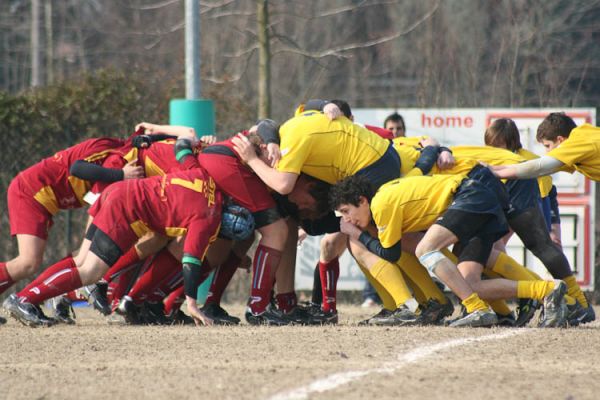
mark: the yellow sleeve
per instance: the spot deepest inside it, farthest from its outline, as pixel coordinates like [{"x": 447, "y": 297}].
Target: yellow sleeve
[
  {"x": 575, "y": 150},
  {"x": 295, "y": 148},
  {"x": 388, "y": 220}
]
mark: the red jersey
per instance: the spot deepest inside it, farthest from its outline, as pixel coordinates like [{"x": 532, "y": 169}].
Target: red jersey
[
  {"x": 52, "y": 185},
  {"x": 182, "y": 203},
  {"x": 384, "y": 133}
]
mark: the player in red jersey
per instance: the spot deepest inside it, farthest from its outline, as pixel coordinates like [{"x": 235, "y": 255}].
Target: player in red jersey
[
  {"x": 183, "y": 203},
  {"x": 39, "y": 192}
]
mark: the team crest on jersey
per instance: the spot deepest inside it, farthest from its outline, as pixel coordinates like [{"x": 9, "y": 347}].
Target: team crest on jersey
[{"x": 381, "y": 229}]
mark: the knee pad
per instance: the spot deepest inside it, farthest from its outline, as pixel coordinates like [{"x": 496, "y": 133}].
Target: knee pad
[{"x": 431, "y": 260}]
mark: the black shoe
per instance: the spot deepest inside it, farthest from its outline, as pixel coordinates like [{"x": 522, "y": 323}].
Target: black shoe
[
  {"x": 63, "y": 310},
  {"x": 97, "y": 297},
  {"x": 401, "y": 316},
  {"x": 590, "y": 314},
  {"x": 508, "y": 321},
  {"x": 320, "y": 317},
  {"x": 298, "y": 316},
  {"x": 434, "y": 312},
  {"x": 181, "y": 318},
  {"x": 525, "y": 311},
  {"x": 26, "y": 313},
  {"x": 2, "y": 320},
  {"x": 154, "y": 314},
  {"x": 130, "y": 311},
  {"x": 270, "y": 316},
  {"x": 219, "y": 315},
  {"x": 381, "y": 314}
]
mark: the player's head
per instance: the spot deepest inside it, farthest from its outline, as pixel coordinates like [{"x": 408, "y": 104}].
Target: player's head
[
  {"x": 555, "y": 129},
  {"x": 237, "y": 223},
  {"x": 344, "y": 108},
  {"x": 503, "y": 133},
  {"x": 395, "y": 124},
  {"x": 351, "y": 198},
  {"x": 311, "y": 196}
]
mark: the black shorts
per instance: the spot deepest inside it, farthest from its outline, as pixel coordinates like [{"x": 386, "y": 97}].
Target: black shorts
[
  {"x": 476, "y": 233},
  {"x": 524, "y": 194}
]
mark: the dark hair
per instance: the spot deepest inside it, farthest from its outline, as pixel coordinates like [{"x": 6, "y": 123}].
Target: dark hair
[
  {"x": 503, "y": 133},
  {"x": 350, "y": 190},
  {"x": 395, "y": 117},
  {"x": 319, "y": 190},
  {"x": 343, "y": 106},
  {"x": 555, "y": 125}
]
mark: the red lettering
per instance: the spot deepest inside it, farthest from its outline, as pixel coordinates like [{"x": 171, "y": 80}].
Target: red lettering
[{"x": 446, "y": 122}]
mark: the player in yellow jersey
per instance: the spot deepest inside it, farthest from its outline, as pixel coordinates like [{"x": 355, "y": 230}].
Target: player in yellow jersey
[
  {"x": 464, "y": 208},
  {"x": 569, "y": 148}
]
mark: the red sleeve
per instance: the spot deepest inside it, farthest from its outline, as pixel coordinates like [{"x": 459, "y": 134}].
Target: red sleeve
[
  {"x": 384, "y": 133},
  {"x": 200, "y": 234}
]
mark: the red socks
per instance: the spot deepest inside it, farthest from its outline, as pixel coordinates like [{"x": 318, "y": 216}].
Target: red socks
[
  {"x": 5, "y": 279},
  {"x": 61, "y": 282},
  {"x": 329, "y": 272},
  {"x": 264, "y": 267},
  {"x": 162, "y": 265},
  {"x": 66, "y": 263},
  {"x": 174, "y": 301},
  {"x": 131, "y": 257},
  {"x": 286, "y": 301},
  {"x": 221, "y": 279}
]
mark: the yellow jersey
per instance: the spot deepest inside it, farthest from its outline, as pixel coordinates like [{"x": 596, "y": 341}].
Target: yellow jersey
[
  {"x": 580, "y": 152},
  {"x": 411, "y": 204},
  {"x": 328, "y": 150}
]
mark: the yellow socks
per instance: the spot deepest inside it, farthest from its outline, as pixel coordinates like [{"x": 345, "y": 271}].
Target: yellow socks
[
  {"x": 386, "y": 299},
  {"x": 574, "y": 290},
  {"x": 536, "y": 290},
  {"x": 390, "y": 277},
  {"x": 509, "y": 268},
  {"x": 474, "y": 303},
  {"x": 500, "y": 307},
  {"x": 418, "y": 275}
]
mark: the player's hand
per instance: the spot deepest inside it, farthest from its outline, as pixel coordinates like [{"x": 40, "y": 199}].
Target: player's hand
[
  {"x": 428, "y": 141},
  {"x": 199, "y": 317},
  {"x": 445, "y": 160},
  {"x": 555, "y": 234},
  {"x": 498, "y": 170},
  {"x": 208, "y": 139},
  {"x": 332, "y": 111},
  {"x": 132, "y": 171},
  {"x": 349, "y": 229},
  {"x": 301, "y": 236},
  {"x": 274, "y": 154},
  {"x": 147, "y": 127},
  {"x": 244, "y": 148}
]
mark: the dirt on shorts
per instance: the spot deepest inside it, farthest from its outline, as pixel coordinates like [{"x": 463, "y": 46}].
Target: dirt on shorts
[{"x": 93, "y": 360}]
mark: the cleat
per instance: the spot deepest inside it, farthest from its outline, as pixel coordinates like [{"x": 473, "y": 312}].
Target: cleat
[
  {"x": 476, "y": 319},
  {"x": 590, "y": 315},
  {"x": 320, "y": 317},
  {"x": 97, "y": 297},
  {"x": 130, "y": 311},
  {"x": 115, "y": 319},
  {"x": 525, "y": 311},
  {"x": 381, "y": 314},
  {"x": 270, "y": 316},
  {"x": 434, "y": 312},
  {"x": 297, "y": 316},
  {"x": 2, "y": 320},
  {"x": 62, "y": 310},
  {"x": 181, "y": 318},
  {"x": 26, "y": 313},
  {"x": 154, "y": 314},
  {"x": 219, "y": 315},
  {"x": 555, "y": 309},
  {"x": 575, "y": 313},
  {"x": 47, "y": 321},
  {"x": 401, "y": 316},
  {"x": 508, "y": 321}
]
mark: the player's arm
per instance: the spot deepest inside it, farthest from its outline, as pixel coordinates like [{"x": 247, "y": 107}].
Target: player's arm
[
  {"x": 555, "y": 232},
  {"x": 281, "y": 182},
  {"x": 174, "y": 130},
  {"x": 425, "y": 162},
  {"x": 93, "y": 172},
  {"x": 391, "y": 254},
  {"x": 191, "y": 281},
  {"x": 544, "y": 165}
]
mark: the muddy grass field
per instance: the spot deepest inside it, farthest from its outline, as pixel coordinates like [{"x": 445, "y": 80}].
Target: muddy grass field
[{"x": 94, "y": 360}]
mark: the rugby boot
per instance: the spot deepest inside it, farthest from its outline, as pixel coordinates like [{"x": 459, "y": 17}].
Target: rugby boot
[
  {"x": 154, "y": 313},
  {"x": 525, "y": 311},
  {"x": 2, "y": 320},
  {"x": 97, "y": 297},
  {"x": 320, "y": 317},
  {"x": 384, "y": 312},
  {"x": 476, "y": 319},
  {"x": 219, "y": 315},
  {"x": 555, "y": 309},
  {"x": 508, "y": 321},
  {"x": 62, "y": 310},
  {"x": 402, "y": 316},
  {"x": 271, "y": 316},
  {"x": 26, "y": 313},
  {"x": 130, "y": 311},
  {"x": 181, "y": 318},
  {"x": 434, "y": 312}
]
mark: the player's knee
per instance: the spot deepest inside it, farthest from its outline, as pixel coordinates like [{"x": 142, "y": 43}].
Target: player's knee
[
  {"x": 27, "y": 266},
  {"x": 274, "y": 235},
  {"x": 328, "y": 248},
  {"x": 90, "y": 274}
]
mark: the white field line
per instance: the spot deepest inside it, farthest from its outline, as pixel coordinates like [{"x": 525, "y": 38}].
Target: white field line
[{"x": 335, "y": 380}]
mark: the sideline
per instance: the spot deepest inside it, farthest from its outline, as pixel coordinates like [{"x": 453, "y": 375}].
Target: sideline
[{"x": 335, "y": 380}]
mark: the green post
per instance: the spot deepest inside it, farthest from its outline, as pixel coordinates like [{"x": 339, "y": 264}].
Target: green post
[{"x": 200, "y": 115}]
